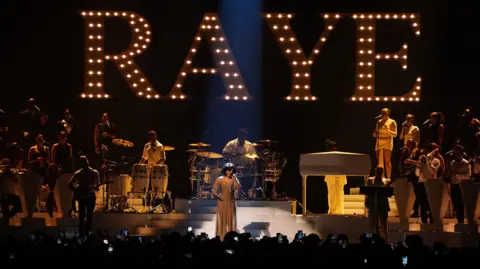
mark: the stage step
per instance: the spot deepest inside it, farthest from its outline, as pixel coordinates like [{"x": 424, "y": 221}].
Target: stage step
[{"x": 355, "y": 204}]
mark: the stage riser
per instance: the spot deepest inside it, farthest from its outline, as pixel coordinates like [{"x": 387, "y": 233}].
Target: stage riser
[
  {"x": 354, "y": 204},
  {"x": 257, "y": 217}
]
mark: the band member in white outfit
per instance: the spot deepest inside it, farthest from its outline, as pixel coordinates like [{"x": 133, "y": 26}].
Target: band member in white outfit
[
  {"x": 153, "y": 155},
  {"x": 335, "y": 186},
  {"x": 410, "y": 131},
  {"x": 385, "y": 131},
  {"x": 459, "y": 170}
]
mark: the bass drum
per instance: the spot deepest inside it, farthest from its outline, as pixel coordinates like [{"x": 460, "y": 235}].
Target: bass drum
[{"x": 121, "y": 186}]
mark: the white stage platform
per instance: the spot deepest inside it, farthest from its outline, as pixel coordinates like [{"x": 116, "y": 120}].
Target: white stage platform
[{"x": 256, "y": 217}]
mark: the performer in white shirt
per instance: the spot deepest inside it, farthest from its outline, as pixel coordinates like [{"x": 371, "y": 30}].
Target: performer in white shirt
[
  {"x": 427, "y": 168},
  {"x": 153, "y": 155},
  {"x": 409, "y": 130},
  {"x": 459, "y": 170},
  {"x": 335, "y": 186},
  {"x": 385, "y": 131}
]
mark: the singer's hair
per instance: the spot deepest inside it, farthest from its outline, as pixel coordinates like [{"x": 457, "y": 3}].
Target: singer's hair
[
  {"x": 410, "y": 117},
  {"x": 152, "y": 133},
  {"x": 84, "y": 161},
  {"x": 385, "y": 111},
  {"x": 242, "y": 132},
  {"x": 459, "y": 147},
  {"x": 438, "y": 115}
]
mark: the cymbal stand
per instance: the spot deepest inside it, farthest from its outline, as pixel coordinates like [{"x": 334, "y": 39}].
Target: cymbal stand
[{"x": 255, "y": 185}]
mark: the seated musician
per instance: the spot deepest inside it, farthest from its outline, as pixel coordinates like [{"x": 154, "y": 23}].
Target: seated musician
[
  {"x": 235, "y": 151},
  {"x": 239, "y": 146},
  {"x": 154, "y": 154}
]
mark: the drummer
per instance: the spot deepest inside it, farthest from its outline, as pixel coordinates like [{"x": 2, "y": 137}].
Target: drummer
[
  {"x": 240, "y": 146},
  {"x": 154, "y": 154},
  {"x": 235, "y": 151}
]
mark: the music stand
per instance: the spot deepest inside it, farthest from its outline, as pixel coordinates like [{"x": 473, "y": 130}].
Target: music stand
[{"x": 377, "y": 191}]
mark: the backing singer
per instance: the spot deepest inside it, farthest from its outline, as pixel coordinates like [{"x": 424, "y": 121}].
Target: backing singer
[{"x": 385, "y": 131}]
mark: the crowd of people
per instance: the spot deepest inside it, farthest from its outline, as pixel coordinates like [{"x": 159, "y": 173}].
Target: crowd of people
[{"x": 102, "y": 249}]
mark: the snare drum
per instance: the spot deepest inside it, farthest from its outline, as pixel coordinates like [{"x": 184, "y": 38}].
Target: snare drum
[
  {"x": 159, "y": 171},
  {"x": 139, "y": 171}
]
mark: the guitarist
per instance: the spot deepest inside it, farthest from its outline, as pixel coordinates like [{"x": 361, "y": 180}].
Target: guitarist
[{"x": 84, "y": 182}]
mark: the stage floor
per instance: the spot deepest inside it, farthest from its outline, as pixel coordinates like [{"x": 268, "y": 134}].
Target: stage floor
[{"x": 256, "y": 217}]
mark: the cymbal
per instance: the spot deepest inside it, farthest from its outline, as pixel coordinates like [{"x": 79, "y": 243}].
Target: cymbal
[
  {"x": 199, "y": 144},
  {"x": 168, "y": 148},
  {"x": 122, "y": 143},
  {"x": 257, "y": 145},
  {"x": 252, "y": 156},
  {"x": 267, "y": 141},
  {"x": 210, "y": 155},
  {"x": 191, "y": 150}
]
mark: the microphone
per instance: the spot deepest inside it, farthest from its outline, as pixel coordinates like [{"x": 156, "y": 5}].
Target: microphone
[
  {"x": 426, "y": 122},
  {"x": 404, "y": 123},
  {"x": 378, "y": 117}
]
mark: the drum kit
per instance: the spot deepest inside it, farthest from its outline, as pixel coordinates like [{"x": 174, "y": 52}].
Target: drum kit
[
  {"x": 146, "y": 182},
  {"x": 258, "y": 172}
]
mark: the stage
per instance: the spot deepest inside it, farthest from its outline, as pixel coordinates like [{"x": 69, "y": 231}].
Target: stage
[{"x": 256, "y": 217}]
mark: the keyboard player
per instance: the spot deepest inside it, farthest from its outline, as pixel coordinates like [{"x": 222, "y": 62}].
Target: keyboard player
[{"x": 335, "y": 186}]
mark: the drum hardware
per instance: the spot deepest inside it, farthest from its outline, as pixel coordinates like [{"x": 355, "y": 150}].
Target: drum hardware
[
  {"x": 168, "y": 148},
  {"x": 199, "y": 145},
  {"x": 123, "y": 143},
  {"x": 201, "y": 172},
  {"x": 209, "y": 155},
  {"x": 267, "y": 141},
  {"x": 252, "y": 156},
  {"x": 162, "y": 207}
]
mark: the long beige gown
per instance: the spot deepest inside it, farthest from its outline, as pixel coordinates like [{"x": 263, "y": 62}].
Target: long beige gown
[{"x": 226, "y": 208}]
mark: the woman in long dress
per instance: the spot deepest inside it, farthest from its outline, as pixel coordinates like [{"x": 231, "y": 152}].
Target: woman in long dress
[{"x": 224, "y": 190}]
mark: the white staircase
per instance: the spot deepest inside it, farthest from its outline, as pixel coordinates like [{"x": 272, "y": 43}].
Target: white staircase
[{"x": 354, "y": 204}]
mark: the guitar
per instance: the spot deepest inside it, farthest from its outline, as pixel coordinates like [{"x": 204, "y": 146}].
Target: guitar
[{"x": 85, "y": 193}]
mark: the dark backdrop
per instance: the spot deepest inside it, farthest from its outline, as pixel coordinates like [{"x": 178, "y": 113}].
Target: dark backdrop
[{"x": 42, "y": 56}]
